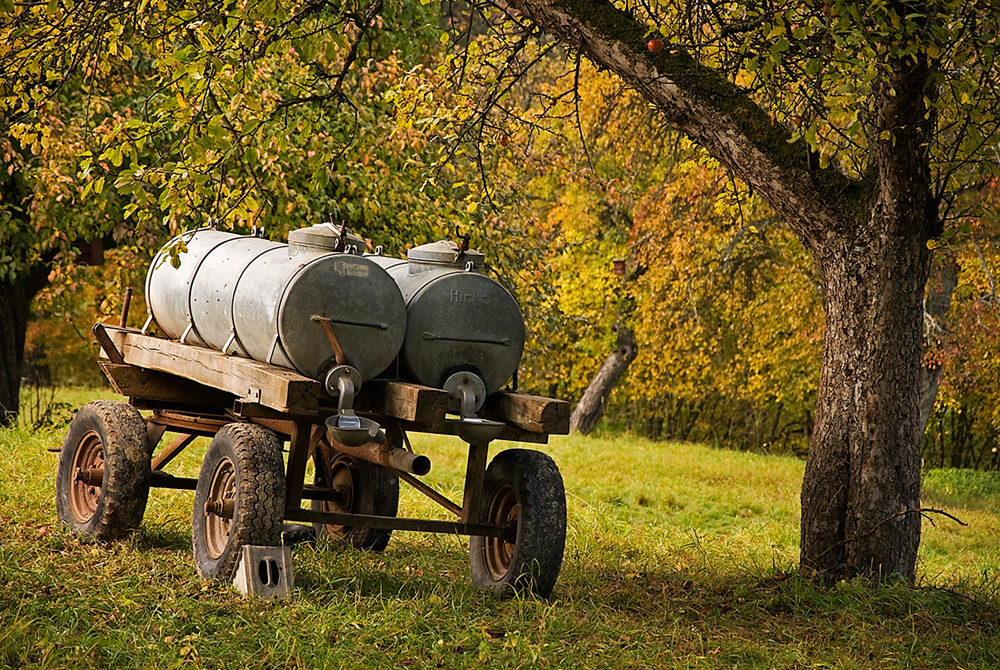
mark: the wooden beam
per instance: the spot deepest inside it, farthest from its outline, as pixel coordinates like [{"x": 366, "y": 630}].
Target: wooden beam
[
  {"x": 402, "y": 400},
  {"x": 533, "y": 413},
  {"x": 248, "y": 380},
  {"x": 161, "y": 370},
  {"x": 135, "y": 382}
]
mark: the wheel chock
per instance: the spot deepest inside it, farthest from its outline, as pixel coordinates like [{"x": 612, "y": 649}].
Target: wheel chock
[{"x": 265, "y": 571}]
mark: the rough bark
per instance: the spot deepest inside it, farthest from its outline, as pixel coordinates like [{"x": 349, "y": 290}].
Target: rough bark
[
  {"x": 711, "y": 110},
  {"x": 590, "y": 409},
  {"x": 15, "y": 305},
  {"x": 16, "y": 293},
  {"x": 862, "y": 480},
  {"x": 861, "y": 491}
]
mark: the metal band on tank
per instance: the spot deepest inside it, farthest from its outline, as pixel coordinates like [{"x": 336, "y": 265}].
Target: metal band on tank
[
  {"x": 281, "y": 303},
  {"x": 149, "y": 277},
  {"x": 195, "y": 274},
  {"x": 232, "y": 307},
  {"x": 229, "y": 342},
  {"x": 274, "y": 347}
]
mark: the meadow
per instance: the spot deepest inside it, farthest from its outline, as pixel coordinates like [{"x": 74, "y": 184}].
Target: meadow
[{"x": 677, "y": 556}]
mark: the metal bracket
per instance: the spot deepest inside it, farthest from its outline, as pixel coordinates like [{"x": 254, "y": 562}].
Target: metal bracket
[
  {"x": 347, "y": 427},
  {"x": 109, "y": 347},
  {"x": 468, "y": 393}
]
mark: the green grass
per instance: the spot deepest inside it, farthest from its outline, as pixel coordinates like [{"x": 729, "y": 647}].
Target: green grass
[{"x": 677, "y": 556}]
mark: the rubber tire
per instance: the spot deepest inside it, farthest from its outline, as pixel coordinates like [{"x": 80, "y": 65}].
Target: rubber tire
[
  {"x": 254, "y": 454},
  {"x": 119, "y": 431},
  {"x": 536, "y": 555},
  {"x": 375, "y": 492}
]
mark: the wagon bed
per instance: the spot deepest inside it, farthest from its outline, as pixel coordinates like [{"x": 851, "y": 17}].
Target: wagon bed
[{"x": 247, "y": 406}]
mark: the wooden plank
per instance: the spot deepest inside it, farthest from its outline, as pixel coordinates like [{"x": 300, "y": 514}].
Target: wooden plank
[
  {"x": 530, "y": 412},
  {"x": 135, "y": 382},
  {"x": 248, "y": 380},
  {"x": 402, "y": 400}
]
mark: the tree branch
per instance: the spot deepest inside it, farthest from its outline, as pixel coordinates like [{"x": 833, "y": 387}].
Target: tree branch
[{"x": 714, "y": 112}]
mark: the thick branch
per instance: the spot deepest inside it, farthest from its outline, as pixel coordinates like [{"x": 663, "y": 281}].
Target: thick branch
[{"x": 711, "y": 110}]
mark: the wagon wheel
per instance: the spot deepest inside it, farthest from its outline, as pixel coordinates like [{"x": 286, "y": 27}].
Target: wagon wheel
[
  {"x": 239, "y": 500},
  {"x": 361, "y": 487},
  {"x": 523, "y": 491},
  {"x": 102, "y": 483}
]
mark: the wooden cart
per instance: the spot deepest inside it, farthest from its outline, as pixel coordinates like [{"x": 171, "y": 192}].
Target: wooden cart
[{"x": 514, "y": 509}]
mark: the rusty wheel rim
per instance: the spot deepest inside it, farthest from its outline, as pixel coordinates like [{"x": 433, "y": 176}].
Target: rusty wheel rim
[
  {"x": 340, "y": 478},
  {"x": 84, "y": 497},
  {"x": 503, "y": 510},
  {"x": 221, "y": 490}
]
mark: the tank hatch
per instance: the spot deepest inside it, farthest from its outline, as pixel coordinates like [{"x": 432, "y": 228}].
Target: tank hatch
[
  {"x": 445, "y": 253},
  {"x": 325, "y": 237}
]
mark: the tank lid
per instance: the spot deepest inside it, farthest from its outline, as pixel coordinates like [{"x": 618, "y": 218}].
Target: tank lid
[
  {"x": 327, "y": 237},
  {"x": 445, "y": 252}
]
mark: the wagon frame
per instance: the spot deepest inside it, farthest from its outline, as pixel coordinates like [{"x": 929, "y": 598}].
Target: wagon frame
[{"x": 194, "y": 391}]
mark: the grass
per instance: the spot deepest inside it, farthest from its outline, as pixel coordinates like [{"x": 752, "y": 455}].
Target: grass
[{"x": 677, "y": 556}]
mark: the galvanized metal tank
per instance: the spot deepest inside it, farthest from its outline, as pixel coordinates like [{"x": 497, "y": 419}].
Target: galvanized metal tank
[
  {"x": 252, "y": 297},
  {"x": 457, "y": 319}
]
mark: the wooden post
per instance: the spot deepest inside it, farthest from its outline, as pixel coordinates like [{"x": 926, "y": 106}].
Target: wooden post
[
  {"x": 298, "y": 458},
  {"x": 475, "y": 474}
]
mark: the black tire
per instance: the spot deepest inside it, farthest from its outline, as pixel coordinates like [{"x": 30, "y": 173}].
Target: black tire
[
  {"x": 364, "y": 488},
  {"x": 522, "y": 489},
  {"x": 243, "y": 469},
  {"x": 108, "y": 435}
]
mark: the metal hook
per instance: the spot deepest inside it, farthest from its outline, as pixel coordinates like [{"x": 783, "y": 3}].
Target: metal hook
[{"x": 463, "y": 246}]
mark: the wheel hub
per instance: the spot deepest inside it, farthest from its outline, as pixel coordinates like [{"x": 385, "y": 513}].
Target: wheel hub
[
  {"x": 341, "y": 476},
  {"x": 220, "y": 508},
  {"x": 85, "y": 494},
  {"x": 503, "y": 510}
]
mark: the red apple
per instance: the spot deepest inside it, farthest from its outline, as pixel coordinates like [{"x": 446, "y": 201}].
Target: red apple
[{"x": 655, "y": 45}]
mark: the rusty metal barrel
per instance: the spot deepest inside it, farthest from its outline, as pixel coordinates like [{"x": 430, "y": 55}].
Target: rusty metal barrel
[
  {"x": 457, "y": 319},
  {"x": 248, "y": 296}
]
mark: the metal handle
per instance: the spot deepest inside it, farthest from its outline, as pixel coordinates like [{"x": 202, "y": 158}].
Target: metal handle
[
  {"x": 348, "y": 322},
  {"x": 432, "y": 336}
]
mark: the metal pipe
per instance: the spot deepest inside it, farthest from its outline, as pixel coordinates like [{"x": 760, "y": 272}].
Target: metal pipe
[
  {"x": 508, "y": 531},
  {"x": 430, "y": 493},
  {"x": 377, "y": 451},
  {"x": 90, "y": 476},
  {"x": 125, "y": 305}
]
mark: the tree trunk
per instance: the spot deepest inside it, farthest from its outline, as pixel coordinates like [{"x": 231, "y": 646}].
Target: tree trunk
[
  {"x": 862, "y": 482},
  {"x": 15, "y": 306},
  {"x": 590, "y": 409},
  {"x": 16, "y": 291},
  {"x": 861, "y": 492}
]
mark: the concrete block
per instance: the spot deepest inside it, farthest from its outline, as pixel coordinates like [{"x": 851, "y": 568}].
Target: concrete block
[{"x": 265, "y": 571}]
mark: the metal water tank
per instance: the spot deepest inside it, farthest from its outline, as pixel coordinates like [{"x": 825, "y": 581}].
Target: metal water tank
[
  {"x": 251, "y": 297},
  {"x": 457, "y": 319}
]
